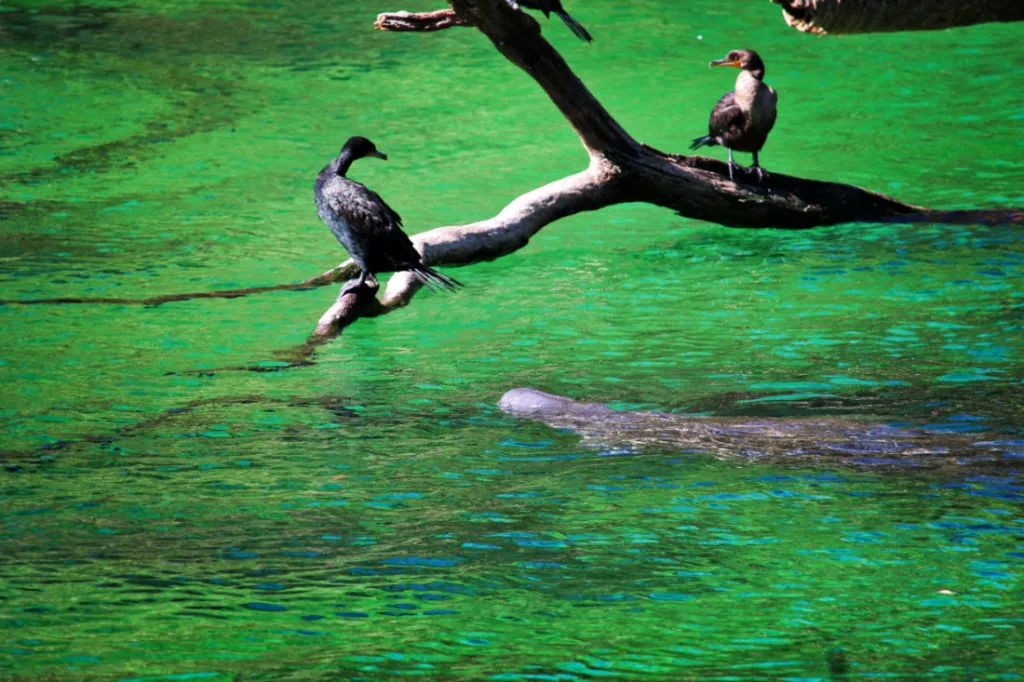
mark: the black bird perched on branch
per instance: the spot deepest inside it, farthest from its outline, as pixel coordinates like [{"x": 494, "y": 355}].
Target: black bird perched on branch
[
  {"x": 367, "y": 227},
  {"x": 743, "y": 118},
  {"x": 549, "y": 6}
]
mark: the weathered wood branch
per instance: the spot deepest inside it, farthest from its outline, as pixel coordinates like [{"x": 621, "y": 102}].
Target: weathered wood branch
[
  {"x": 506, "y": 232},
  {"x": 876, "y": 16},
  {"x": 419, "y": 21}
]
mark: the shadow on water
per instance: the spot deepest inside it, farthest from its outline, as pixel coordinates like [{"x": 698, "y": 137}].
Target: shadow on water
[
  {"x": 51, "y": 25},
  {"x": 159, "y": 45},
  {"x": 202, "y": 105},
  {"x": 176, "y": 417}
]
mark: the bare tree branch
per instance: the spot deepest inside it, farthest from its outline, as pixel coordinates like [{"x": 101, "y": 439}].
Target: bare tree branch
[
  {"x": 419, "y": 21},
  {"x": 873, "y": 16},
  {"x": 506, "y": 232}
]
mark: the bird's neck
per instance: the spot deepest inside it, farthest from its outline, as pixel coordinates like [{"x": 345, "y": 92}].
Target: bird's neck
[
  {"x": 342, "y": 163},
  {"x": 747, "y": 85}
]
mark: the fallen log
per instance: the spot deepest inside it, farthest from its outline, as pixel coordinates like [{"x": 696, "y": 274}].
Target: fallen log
[{"x": 877, "y": 16}]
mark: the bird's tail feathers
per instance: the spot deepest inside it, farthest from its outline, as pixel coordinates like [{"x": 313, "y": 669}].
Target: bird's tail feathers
[
  {"x": 705, "y": 141},
  {"x": 575, "y": 26},
  {"x": 433, "y": 280}
]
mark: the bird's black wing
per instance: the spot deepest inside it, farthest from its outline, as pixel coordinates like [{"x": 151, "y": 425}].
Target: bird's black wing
[
  {"x": 575, "y": 26},
  {"x": 726, "y": 118},
  {"x": 371, "y": 219},
  {"x": 549, "y": 6}
]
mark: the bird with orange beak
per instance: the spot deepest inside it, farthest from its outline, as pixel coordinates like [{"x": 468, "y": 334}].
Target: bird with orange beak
[{"x": 742, "y": 118}]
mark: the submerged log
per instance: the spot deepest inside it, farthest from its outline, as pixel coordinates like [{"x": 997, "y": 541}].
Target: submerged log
[{"x": 877, "y": 16}]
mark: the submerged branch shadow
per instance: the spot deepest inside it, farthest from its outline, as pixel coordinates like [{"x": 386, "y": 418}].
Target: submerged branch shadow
[
  {"x": 12, "y": 460},
  {"x": 154, "y": 301},
  {"x": 349, "y": 306},
  {"x": 298, "y": 355}
]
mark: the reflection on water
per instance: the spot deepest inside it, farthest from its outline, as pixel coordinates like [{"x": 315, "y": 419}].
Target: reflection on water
[{"x": 374, "y": 515}]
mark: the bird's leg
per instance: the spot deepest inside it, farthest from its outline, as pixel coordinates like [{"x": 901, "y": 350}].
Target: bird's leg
[
  {"x": 730, "y": 163},
  {"x": 349, "y": 287},
  {"x": 760, "y": 171},
  {"x": 356, "y": 284}
]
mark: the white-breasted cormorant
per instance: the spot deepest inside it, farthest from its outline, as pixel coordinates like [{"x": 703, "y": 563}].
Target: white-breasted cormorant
[
  {"x": 367, "y": 227},
  {"x": 549, "y": 6},
  {"x": 743, "y": 118}
]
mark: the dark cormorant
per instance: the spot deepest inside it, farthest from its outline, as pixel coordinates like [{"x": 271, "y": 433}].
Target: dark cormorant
[
  {"x": 742, "y": 119},
  {"x": 367, "y": 227},
  {"x": 549, "y": 6}
]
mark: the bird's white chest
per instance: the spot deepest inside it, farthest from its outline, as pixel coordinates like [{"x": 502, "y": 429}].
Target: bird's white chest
[{"x": 755, "y": 98}]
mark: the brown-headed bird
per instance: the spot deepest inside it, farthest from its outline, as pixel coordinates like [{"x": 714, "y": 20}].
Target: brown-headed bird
[{"x": 743, "y": 118}]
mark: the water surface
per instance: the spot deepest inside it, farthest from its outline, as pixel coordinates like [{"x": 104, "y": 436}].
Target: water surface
[{"x": 169, "y": 516}]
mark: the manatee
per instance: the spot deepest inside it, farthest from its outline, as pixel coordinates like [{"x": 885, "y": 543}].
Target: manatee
[{"x": 808, "y": 439}]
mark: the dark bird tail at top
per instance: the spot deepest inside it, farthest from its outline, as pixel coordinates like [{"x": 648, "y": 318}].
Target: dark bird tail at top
[
  {"x": 432, "y": 279},
  {"x": 704, "y": 141},
  {"x": 574, "y": 26}
]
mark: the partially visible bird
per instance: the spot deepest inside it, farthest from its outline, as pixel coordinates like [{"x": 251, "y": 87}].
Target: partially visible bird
[
  {"x": 367, "y": 227},
  {"x": 743, "y": 118},
  {"x": 549, "y": 6}
]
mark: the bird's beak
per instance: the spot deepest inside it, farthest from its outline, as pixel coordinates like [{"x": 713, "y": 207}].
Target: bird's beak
[
  {"x": 726, "y": 62},
  {"x": 380, "y": 155}
]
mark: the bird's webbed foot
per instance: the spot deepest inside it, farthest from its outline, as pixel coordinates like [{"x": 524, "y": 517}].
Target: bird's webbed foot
[{"x": 365, "y": 281}]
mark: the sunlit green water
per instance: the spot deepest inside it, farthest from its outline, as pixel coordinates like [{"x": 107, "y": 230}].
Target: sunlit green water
[{"x": 373, "y": 515}]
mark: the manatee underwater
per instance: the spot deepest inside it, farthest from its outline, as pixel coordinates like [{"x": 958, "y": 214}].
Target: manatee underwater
[{"x": 804, "y": 440}]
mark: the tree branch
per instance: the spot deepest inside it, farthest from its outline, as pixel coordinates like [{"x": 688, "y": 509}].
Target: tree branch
[
  {"x": 485, "y": 240},
  {"x": 872, "y": 16},
  {"x": 419, "y": 21}
]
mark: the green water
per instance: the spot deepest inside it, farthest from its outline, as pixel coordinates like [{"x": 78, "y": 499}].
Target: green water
[{"x": 169, "y": 516}]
